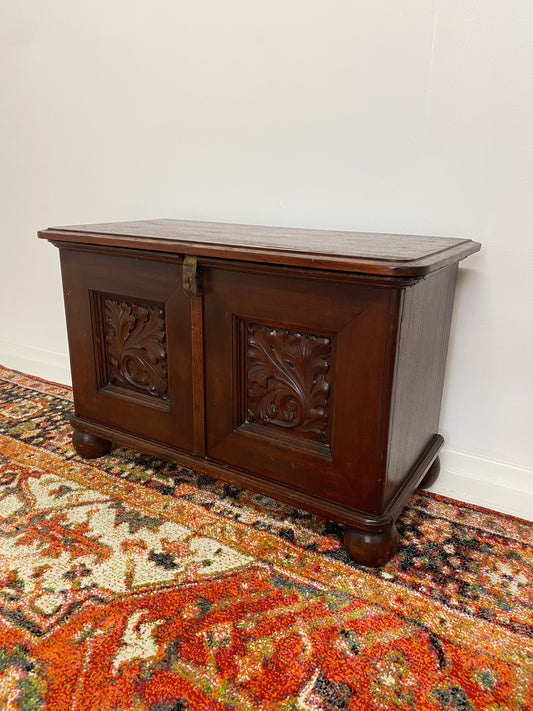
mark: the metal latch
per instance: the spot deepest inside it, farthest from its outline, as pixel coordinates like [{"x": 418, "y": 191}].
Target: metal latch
[{"x": 190, "y": 280}]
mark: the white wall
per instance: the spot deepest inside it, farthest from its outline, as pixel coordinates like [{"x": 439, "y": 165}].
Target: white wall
[{"x": 411, "y": 117}]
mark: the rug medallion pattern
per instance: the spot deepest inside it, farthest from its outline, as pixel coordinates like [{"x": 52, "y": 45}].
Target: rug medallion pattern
[{"x": 132, "y": 583}]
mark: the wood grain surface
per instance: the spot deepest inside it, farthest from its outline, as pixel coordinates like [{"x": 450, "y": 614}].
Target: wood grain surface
[{"x": 369, "y": 253}]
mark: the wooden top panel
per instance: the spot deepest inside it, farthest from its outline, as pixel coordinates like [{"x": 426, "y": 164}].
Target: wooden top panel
[{"x": 387, "y": 254}]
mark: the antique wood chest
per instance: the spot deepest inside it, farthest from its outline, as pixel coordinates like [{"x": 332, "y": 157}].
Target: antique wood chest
[{"x": 304, "y": 364}]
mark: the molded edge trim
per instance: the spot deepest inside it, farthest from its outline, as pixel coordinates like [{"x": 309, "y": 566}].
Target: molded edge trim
[
  {"x": 278, "y": 490},
  {"x": 458, "y": 250}
]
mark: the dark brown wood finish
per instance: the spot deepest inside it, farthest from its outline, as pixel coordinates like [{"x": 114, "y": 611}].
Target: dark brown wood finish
[
  {"x": 292, "y": 309},
  {"x": 371, "y": 548},
  {"x": 198, "y": 374},
  {"x": 90, "y": 446},
  {"x": 419, "y": 375},
  {"x": 431, "y": 475},
  {"x": 132, "y": 312},
  {"x": 304, "y": 364},
  {"x": 367, "y": 253}
]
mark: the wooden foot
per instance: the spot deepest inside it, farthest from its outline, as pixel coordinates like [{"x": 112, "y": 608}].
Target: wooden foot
[
  {"x": 432, "y": 475},
  {"x": 90, "y": 446},
  {"x": 371, "y": 549}
]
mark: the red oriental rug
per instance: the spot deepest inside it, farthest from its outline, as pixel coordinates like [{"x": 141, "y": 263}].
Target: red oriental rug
[{"x": 131, "y": 583}]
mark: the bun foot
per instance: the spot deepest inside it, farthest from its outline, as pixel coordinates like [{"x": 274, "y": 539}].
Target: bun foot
[
  {"x": 90, "y": 446},
  {"x": 371, "y": 549},
  {"x": 432, "y": 475}
]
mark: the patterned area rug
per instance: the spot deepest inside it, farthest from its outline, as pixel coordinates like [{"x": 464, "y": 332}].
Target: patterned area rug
[{"x": 130, "y": 583}]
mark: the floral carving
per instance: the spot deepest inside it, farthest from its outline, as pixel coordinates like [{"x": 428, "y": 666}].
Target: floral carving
[
  {"x": 286, "y": 375},
  {"x": 135, "y": 346}
]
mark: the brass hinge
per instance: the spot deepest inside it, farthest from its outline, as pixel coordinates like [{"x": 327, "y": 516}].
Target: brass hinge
[{"x": 190, "y": 280}]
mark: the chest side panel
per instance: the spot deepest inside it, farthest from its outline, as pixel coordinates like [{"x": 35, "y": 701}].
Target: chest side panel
[{"x": 419, "y": 375}]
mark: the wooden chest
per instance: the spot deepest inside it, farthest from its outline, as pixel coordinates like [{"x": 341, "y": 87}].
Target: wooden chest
[{"x": 304, "y": 364}]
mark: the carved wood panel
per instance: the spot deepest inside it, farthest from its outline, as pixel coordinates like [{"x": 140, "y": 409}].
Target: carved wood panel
[
  {"x": 286, "y": 380},
  {"x": 134, "y": 345}
]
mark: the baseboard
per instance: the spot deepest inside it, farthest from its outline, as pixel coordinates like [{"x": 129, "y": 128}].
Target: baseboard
[
  {"x": 36, "y": 361},
  {"x": 485, "y": 482}
]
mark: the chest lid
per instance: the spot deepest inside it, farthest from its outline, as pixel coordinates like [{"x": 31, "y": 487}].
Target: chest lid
[{"x": 361, "y": 252}]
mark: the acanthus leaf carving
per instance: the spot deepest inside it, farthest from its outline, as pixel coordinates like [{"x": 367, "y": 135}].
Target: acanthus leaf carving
[
  {"x": 135, "y": 346},
  {"x": 286, "y": 374}
]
